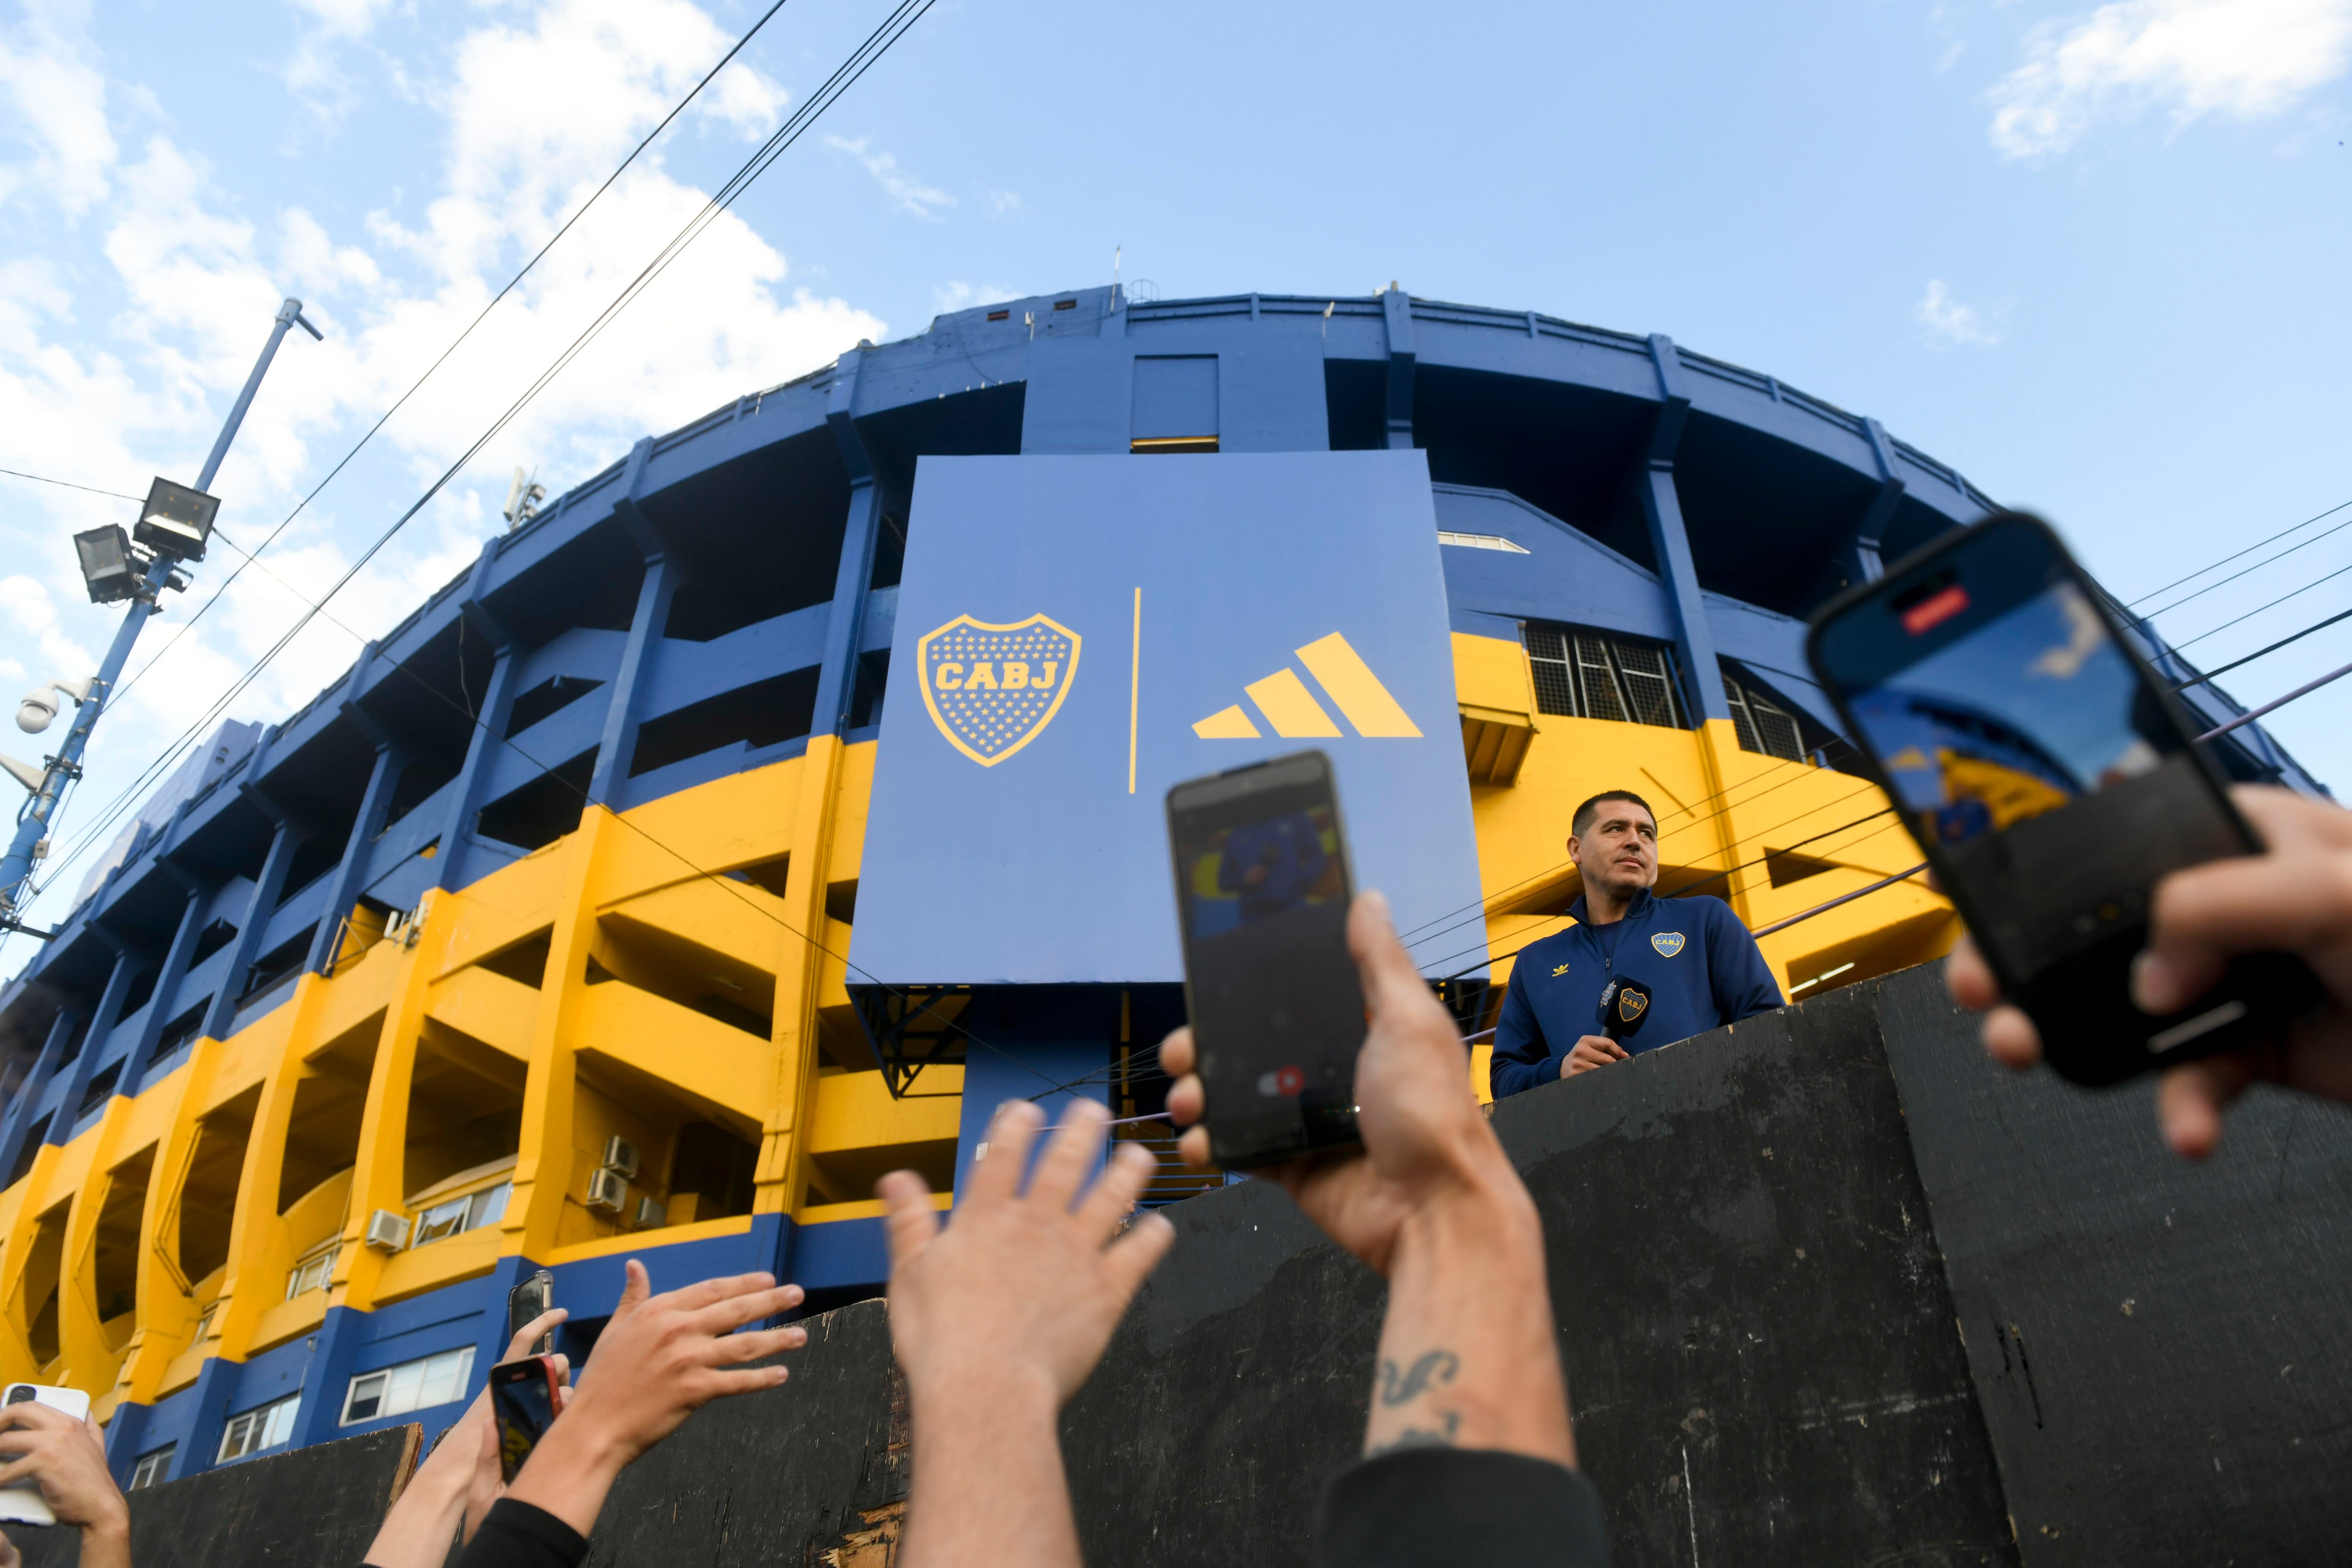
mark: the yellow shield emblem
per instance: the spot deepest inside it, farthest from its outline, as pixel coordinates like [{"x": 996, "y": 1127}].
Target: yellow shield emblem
[
  {"x": 993, "y": 689},
  {"x": 1667, "y": 943}
]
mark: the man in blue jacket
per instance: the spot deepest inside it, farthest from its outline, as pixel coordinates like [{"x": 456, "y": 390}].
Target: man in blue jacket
[{"x": 1700, "y": 965}]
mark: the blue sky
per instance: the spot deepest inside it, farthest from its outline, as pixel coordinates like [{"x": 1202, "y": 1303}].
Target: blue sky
[{"x": 2093, "y": 255}]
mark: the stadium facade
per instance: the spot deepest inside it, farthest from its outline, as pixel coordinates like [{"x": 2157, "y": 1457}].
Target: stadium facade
[{"x": 493, "y": 957}]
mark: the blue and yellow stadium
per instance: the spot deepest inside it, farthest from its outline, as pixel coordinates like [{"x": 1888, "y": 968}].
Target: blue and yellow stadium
[{"x": 533, "y": 940}]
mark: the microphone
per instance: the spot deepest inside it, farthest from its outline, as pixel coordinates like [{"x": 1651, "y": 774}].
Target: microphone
[{"x": 1623, "y": 1005}]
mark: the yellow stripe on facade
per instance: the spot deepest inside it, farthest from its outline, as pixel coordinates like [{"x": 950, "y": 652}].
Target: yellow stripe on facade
[
  {"x": 1358, "y": 692},
  {"x": 1290, "y": 707}
]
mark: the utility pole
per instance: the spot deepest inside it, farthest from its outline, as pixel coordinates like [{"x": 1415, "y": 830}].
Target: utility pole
[{"x": 31, "y": 843}]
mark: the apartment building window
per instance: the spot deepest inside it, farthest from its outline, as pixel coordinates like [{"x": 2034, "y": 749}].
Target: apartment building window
[
  {"x": 311, "y": 1274},
  {"x": 412, "y": 1385},
  {"x": 152, "y": 1466},
  {"x": 1600, "y": 674},
  {"x": 1762, "y": 726},
  {"x": 265, "y": 1427},
  {"x": 467, "y": 1211}
]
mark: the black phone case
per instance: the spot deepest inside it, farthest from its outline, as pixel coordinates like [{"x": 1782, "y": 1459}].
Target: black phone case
[
  {"x": 2090, "y": 1031},
  {"x": 1320, "y": 1132}
]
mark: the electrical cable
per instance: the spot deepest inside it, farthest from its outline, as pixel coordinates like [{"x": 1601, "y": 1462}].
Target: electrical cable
[
  {"x": 68, "y": 484},
  {"x": 2249, "y": 615},
  {"x": 512, "y": 283},
  {"x": 894, "y": 26},
  {"x": 2257, "y": 545},
  {"x": 2273, "y": 647},
  {"x": 2255, "y": 567}
]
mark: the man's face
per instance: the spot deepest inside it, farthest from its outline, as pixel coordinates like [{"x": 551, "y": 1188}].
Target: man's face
[{"x": 1620, "y": 850}]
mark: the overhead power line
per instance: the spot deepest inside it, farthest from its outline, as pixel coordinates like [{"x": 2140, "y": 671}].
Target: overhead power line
[
  {"x": 894, "y": 26},
  {"x": 2261, "y": 652},
  {"x": 68, "y": 484},
  {"x": 2257, "y": 545},
  {"x": 512, "y": 284},
  {"x": 2266, "y": 560}
]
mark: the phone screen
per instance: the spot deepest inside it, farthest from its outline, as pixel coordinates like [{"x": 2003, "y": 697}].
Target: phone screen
[
  {"x": 522, "y": 1399},
  {"x": 2023, "y": 740},
  {"x": 1278, "y": 1009}
]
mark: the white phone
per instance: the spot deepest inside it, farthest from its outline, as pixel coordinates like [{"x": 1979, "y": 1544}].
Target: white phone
[{"x": 21, "y": 1503}]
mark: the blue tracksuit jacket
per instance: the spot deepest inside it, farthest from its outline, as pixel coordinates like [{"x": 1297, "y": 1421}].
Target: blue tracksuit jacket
[{"x": 1701, "y": 966}]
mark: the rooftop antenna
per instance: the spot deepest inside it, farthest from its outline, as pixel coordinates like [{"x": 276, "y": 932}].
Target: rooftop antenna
[
  {"x": 1117, "y": 251},
  {"x": 1327, "y": 318}
]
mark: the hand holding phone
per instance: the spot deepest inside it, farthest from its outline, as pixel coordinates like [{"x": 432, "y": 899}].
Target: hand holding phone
[
  {"x": 2052, "y": 780},
  {"x": 61, "y": 1474},
  {"x": 1277, "y": 1011},
  {"x": 2296, "y": 897},
  {"x": 524, "y": 1402}
]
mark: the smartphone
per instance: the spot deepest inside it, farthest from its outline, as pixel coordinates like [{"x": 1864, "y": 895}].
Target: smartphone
[
  {"x": 2051, "y": 778},
  {"x": 533, "y": 1297},
  {"x": 522, "y": 1401},
  {"x": 1277, "y": 1010},
  {"x": 22, "y": 1502}
]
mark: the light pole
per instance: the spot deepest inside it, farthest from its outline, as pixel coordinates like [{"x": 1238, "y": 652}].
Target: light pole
[{"x": 173, "y": 525}]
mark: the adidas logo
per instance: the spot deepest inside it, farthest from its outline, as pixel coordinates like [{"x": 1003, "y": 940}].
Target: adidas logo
[{"x": 1291, "y": 709}]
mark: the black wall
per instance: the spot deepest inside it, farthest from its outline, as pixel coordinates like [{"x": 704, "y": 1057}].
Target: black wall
[{"x": 1831, "y": 1290}]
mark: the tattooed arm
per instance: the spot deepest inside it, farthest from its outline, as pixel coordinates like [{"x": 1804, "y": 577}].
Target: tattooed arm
[{"x": 1467, "y": 1354}]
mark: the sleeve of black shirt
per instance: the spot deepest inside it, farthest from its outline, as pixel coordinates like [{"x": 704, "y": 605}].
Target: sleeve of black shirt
[
  {"x": 1418, "y": 1506},
  {"x": 517, "y": 1535}
]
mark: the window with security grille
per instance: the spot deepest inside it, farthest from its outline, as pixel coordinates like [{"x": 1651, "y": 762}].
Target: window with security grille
[
  {"x": 1763, "y": 725},
  {"x": 1600, "y": 674}
]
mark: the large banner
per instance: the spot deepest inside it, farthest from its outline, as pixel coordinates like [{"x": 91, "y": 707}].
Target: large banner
[{"x": 1076, "y": 634}]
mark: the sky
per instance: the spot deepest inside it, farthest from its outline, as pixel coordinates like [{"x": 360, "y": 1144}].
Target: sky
[{"x": 2092, "y": 255}]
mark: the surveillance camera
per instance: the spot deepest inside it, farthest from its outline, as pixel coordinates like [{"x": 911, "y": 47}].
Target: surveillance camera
[{"x": 39, "y": 706}]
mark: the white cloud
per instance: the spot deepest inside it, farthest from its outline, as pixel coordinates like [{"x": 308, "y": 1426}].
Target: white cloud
[
  {"x": 2243, "y": 58},
  {"x": 962, "y": 296},
  {"x": 910, "y": 193},
  {"x": 1002, "y": 203},
  {"x": 1951, "y": 324},
  {"x": 57, "y": 98},
  {"x": 118, "y": 355}
]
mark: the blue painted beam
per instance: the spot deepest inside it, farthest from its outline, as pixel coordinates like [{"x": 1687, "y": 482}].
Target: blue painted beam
[
  {"x": 466, "y": 798},
  {"x": 1404, "y": 354},
  {"x": 836, "y": 684},
  {"x": 128, "y": 962},
  {"x": 36, "y": 1084},
  {"x": 165, "y": 1006},
  {"x": 1670, "y": 543},
  {"x": 617, "y": 744}
]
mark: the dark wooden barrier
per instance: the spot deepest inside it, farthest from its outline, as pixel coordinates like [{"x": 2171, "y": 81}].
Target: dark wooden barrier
[
  {"x": 1831, "y": 1290},
  {"x": 314, "y": 1508},
  {"x": 2163, "y": 1351}
]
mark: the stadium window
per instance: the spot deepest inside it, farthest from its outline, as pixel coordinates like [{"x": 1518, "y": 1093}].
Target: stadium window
[
  {"x": 314, "y": 1271},
  {"x": 412, "y": 1385},
  {"x": 151, "y": 1467},
  {"x": 255, "y": 1430},
  {"x": 1763, "y": 726},
  {"x": 1585, "y": 674},
  {"x": 1480, "y": 541},
  {"x": 467, "y": 1211}
]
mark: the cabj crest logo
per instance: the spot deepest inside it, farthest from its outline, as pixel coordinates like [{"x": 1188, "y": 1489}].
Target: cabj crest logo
[
  {"x": 993, "y": 689},
  {"x": 1667, "y": 943}
]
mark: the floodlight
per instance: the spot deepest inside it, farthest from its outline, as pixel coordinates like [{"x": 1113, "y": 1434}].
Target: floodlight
[
  {"x": 176, "y": 520},
  {"x": 108, "y": 567}
]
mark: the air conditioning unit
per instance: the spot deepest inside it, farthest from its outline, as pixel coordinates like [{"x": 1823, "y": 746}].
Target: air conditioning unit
[
  {"x": 620, "y": 1155},
  {"x": 607, "y": 1190},
  {"x": 651, "y": 1214},
  {"x": 386, "y": 1231}
]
